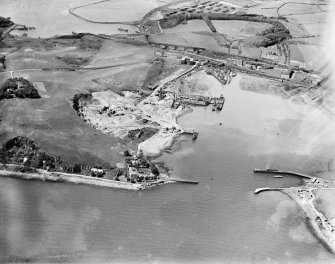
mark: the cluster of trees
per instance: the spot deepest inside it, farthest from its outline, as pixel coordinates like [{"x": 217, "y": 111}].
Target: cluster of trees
[
  {"x": 142, "y": 162},
  {"x": 209, "y": 23},
  {"x": 274, "y": 35},
  {"x": 3, "y": 59},
  {"x": 140, "y": 135},
  {"x": 79, "y": 98},
  {"x": 172, "y": 21},
  {"x": 25, "y": 151},
  {"x": 73, "y": 61},
  {"x": 18, "y": 87},
  {"x": 5, "y": 22}
]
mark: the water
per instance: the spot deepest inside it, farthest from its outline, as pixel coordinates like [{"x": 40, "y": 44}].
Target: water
[
  {"x": 218, "y": 220},
  {"x": 52, "y": 17}
]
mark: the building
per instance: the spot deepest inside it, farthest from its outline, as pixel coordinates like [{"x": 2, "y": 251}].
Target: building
[
  {"x": 298, "y": 64},
  {"x": 236, "y": 61},
  {"x": 287, "y": 74},
  {"x": 249, "y": 65},
  {"x": 192, "y": 61}
]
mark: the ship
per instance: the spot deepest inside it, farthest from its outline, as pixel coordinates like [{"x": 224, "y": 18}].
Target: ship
[
  {"x": 220, "y": 102},
  {"x": 122, "y": 29}
]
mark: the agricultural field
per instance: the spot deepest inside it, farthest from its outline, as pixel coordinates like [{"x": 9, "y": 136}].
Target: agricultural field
[
  {"x": 196, "y": 25},
  {"x": 121, "y": 54},
  {"x": 187, "y": 39},
  {"x": 198, "y": 7},
  {"x": 289, "y": 9},
  {"x": 314, "y": 23},
  {"x": 239, "y": 29}
]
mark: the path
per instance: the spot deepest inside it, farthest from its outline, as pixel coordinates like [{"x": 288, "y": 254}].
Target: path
[{"x": 71, "y": 11}]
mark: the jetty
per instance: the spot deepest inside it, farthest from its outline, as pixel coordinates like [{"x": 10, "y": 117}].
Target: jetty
[
  {"x": 272, "y": 171},
  {"x": 265, "y": 189},
  {"x": 184, "y": 181}
]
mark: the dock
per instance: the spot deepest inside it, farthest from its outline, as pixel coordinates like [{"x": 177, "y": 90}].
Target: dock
[
  {"x": 272, "y": 171},
  {"x": 184, "y": 181}
]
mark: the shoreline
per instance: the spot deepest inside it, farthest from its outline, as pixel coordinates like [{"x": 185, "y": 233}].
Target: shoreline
[
  {"x": 322, "y": 233},
  {"x": 42, "y": 175}
]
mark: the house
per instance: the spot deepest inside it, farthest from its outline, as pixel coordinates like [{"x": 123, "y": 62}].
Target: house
[
  {"x": 237, "y": 62},
  {"x": 299, "y": 64},
  {"x": 183, "y": 60},
  {"x": 190, "y": 50},
  {"x": 97, "y": 172},
  {"x": 192, "y": 61},
  {"x": 287, "y": 74}
]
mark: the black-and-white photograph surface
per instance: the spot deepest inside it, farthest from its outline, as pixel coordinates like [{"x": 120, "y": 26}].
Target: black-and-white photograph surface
[{"x": 167, "y": 131}]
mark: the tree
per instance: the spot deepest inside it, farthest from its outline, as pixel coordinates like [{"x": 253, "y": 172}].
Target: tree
[
  {"x": 126, "y": 153},
  {"x": 154, "y": 169}
]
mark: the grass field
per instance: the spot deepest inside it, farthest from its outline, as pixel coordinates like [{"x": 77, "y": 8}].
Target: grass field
[
  {"x": 239, "y": 29},
  {"x": 187, "y": 39},
  {"x": 191, "y": 26}
]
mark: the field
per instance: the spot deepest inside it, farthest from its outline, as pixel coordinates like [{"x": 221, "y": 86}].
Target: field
[
  {"x": 51, "y": 120},
  {"x": 191, "y": 26},
  {"x": 239, "y": 29},
  {"x": 121, "y": 54},
  {"x": 308, "y": 52},
  {"x": 314, "y": 23},
  {"x": 187, "y": 39},
  {"x": 290, "y": 9}
]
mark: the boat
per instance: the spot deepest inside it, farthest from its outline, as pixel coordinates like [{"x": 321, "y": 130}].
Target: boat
[
  {"x": 220, "y": 102},
  {"x": 271, "y": 170},
  {"x": 277, "y": 176},
  {"x": 122, "y": 29}
]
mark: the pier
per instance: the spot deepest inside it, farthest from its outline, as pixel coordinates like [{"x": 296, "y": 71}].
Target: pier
[
  {"x": 265, "y": 189},
  {"x": 184, "y": 181},
  {"x": 272, "y": 171}
]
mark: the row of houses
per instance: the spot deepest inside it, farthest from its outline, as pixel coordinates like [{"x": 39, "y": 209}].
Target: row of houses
[
  {"x": 188, "y": 60},
  {"x": 177, "y": 47}
]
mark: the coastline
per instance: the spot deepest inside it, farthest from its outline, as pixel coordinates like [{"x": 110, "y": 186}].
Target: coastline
[
  {"x": 43, "y": 175},
  {"x": 323, "y": 233}
]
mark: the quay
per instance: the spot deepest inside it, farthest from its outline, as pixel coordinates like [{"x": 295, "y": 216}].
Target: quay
[{"x": 272, "y": 171}]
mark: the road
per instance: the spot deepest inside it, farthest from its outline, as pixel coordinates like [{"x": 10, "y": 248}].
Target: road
[
  {"x": 322, "y": 227},
  {"x": 241, "y": 69},
  {"x": 304, "y": 196},
  {"x": 71, "y": 11},
  {"x": 159, "y": 118}
]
